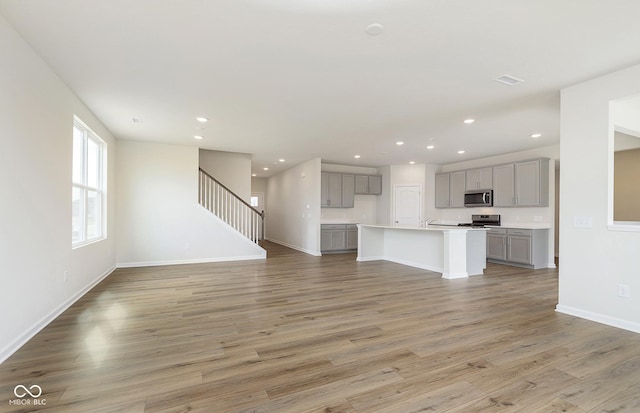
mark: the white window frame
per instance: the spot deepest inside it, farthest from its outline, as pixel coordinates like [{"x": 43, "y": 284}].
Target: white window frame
[{"x": 84, "y": 188}]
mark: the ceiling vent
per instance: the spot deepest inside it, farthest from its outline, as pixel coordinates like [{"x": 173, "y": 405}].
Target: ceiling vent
[{"x": 509, "y": 80}]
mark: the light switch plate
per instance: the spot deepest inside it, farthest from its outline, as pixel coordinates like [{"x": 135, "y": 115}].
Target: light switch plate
[{"x": 583, "y": 221}]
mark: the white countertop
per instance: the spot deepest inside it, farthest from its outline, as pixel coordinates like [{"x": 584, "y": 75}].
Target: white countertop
[
  {"x": 522, "y": 225},
  {"x": 432, "y": 227},
  {"x": 338, "y": 222}
]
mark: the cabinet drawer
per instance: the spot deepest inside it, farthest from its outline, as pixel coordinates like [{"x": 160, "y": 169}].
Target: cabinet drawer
[
  {"x": 524, "y": 232},
  {"x": 498, "y": 231},
  {"x": 332, "y": 226}
]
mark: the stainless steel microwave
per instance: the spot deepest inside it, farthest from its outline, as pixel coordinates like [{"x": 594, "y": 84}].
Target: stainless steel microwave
[{"x": 478, "y": 198}]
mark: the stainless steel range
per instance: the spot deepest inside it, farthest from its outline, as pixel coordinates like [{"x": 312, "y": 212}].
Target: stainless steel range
[{"x": 480, "y": 221}]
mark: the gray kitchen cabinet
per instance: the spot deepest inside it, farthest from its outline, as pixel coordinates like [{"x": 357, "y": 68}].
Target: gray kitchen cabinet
[
  {"x": 368, "y": 184},
  {"x": 456, "y": 189},
  {"x": 338, "y": 237},
  {"x": 479, "y": 179},
  {"x": 449, "y": 190},
  {"x": 531, "y": 183},
  {"x": 330, "y": 190},
  {"x": 348, "y": 190},
  {"x": 503, "y": 186},
  {"x": 352, "y": 237},
  {"x": 442, "y": 191},
  {"x": 497, "y": 244},
  {"x": 520, "y": 247}
]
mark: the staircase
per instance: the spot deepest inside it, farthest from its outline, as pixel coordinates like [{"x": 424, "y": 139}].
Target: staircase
[{"x": 229, "y": 207}]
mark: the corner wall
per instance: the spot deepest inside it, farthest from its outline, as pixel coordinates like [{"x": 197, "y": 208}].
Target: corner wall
[
  {"x": 293, "y": 205},
  {"x": 594, "y": 260},
  {"x": 36, "y": 129},
  {"x": 159, "y": 218}
]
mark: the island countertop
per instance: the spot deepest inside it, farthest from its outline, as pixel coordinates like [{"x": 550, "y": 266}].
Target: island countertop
[{"x": 456, "y": 252}]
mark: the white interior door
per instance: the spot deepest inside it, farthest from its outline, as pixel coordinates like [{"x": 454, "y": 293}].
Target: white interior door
[{"x": 407, "y": 211}]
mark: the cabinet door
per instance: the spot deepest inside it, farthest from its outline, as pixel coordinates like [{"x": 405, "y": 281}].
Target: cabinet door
[
  {"x": 503, "y": 186},
  {"x": 338, "y": 240},
  {"x": 362, "y": 184},
  {"x": 335, "y": 190},
  {"x": 485, "y": 178},
  {"x": 497, "y": 246},
  {"x": 527, "y": 183},
  {"x": 352, "y": 239},
  {"x": 456, "y": 189},
  {"x": 348, "y": 190},
  {"x": 325, "y": 240},
  {"x": 442, "y": 191},
  {"x": 375, "y": 184},
  {"x": 324, "y": 189},
  {"x": 519, "y": 249}
]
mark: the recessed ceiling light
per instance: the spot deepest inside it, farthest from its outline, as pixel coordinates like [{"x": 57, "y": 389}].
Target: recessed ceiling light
[
  {"x": 374, "y": 29},
  {"x": 399, "y": 143},
  {"x": 254, "y": 174},
  {"x": 460, "y": 152},
  {"x": 202, "y": 119},
  {"x": 265, "y": 169},
  {"x": 356, "y": 156},
  {"x": 509, "y": 80},
  {"x": 412, "y": 162},
  {"x": 198, "y": 137},
  {"x": 430, "y": 147},
  {"x": 536, "y": 135},
  {"x": 280, "y": 160},
  {"x": 469, "y": 121}
]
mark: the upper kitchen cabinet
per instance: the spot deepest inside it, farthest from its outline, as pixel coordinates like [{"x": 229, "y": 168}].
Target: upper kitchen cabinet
[
  {"x": 503, "y": 189},
  {"x": 521, "y": 184},
  {"x": 368, "y": 185},
  {"x": 338, "y": 190},
  {"x": 479, "y": 179},
  {"x": 348, "y": 190},
  {"x": 532, "y": 183},
  {"x": 450, "y": 189},
  {"x": 330, "y": 190}
]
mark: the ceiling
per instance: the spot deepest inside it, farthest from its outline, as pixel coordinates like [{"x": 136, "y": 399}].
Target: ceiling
[{"x": 301, "y": 79}]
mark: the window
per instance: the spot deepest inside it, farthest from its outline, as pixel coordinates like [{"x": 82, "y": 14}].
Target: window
[{"x": 88, "y": 190}]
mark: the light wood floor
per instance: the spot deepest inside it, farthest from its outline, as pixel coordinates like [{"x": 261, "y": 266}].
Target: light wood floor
[{"x": 297, "y": 333}]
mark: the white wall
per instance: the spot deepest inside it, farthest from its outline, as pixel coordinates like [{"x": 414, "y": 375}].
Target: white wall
[
  {"x": 364, "y": 206},
  {"x": 36, "y": 124},
  {"x": 293, "y": 205},
  {"x": 383, "y": 207},
  {"x": 159, "y": 218},
  {"x": 595, "y": 260},
  {"x": 233, "y": 170}
]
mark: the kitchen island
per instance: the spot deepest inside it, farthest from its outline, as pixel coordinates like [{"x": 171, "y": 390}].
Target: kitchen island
[{"x": 456, "y": 252}]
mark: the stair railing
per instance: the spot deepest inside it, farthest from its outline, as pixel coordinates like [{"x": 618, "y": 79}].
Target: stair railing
[{"x": 229, "y": 207}]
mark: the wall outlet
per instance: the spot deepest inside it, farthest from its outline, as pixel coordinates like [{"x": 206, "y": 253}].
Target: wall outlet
[
  {"x": 65, "y": 276},
  {"x": 624, "y": 291},
  {"x": 187, "y": 246}
]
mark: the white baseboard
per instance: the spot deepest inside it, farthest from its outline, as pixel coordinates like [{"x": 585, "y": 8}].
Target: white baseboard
[
  {"x": 365, "y": 259},
  {"x": 599, "y": 318},
  {"x": 190, "y": 261},
  {"x": 15, "y": 345},
  {"x": 294, "y": 247}
]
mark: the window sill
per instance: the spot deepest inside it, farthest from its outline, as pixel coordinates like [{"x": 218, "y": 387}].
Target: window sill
[
  {"x": 85, "y": 243},
  {"x": 626, "y": 226}
]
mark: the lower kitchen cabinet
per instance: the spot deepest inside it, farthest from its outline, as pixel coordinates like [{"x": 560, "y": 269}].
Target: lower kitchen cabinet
[
  {"x": 520, "y": 247},
  {"x": 338, "y": 238}
]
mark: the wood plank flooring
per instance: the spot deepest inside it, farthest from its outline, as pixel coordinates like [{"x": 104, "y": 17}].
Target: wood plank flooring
[{"x": 297, "y": 333}]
